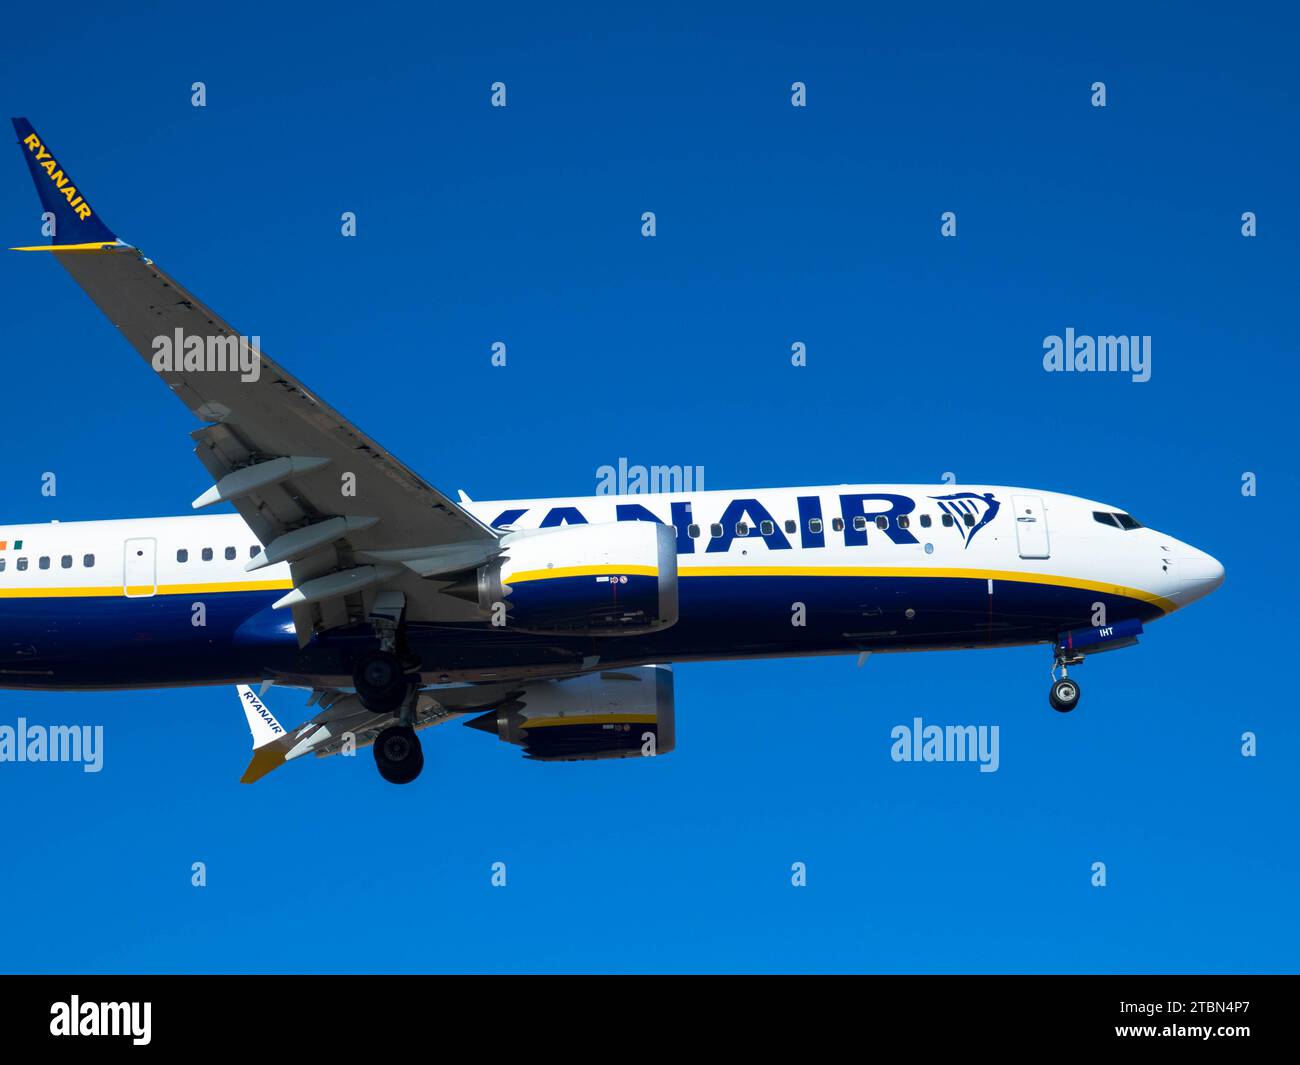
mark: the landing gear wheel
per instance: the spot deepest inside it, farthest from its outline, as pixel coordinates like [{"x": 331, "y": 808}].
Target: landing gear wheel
[
  {"x": 1064, "y": 695},
  {"x": 380, "y": 682},
  {"x": 398, "y": 754}
]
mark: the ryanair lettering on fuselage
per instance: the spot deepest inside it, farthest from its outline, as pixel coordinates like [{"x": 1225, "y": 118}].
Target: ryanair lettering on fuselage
[
  {"x": 47, "y": 163},
  {"x": 859, "y": 512}
]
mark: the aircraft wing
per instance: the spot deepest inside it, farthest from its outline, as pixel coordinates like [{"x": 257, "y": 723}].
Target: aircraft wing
[{"x": 319, "y": 494}]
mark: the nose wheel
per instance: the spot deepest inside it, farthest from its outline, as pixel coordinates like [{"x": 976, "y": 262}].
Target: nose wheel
[{"x": 1064, "y": 695}]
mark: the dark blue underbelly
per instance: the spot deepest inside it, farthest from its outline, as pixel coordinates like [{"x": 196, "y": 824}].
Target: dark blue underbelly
[{"x": 115, "y": 642}]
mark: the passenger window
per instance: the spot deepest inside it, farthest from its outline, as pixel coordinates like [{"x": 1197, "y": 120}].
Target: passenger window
[
  {"x": 968, "y": 520},
  {"x": 88, "y": 562},
  {"x": 814, "y": 525},
  {"x": 693, "y": 531},
  {"x": 230, "y": 554},
  {"x": 904, "y": 522},
  {"x": 837, "y": 524},
  {"x": 45, "y": 562},
  {"x": 66, "y": 562},
  {"x": 742, "y": 529},
  {"x": 22, "y": 565},
  {"x": 2, "y": 565},
  {"x": 182, "y": 555},
  {"x": 790, "y": 526},
  {"x": 207, "y": 554},
  {"x": 860, "y": 523},
  {"x": 715, "y": 530},
  {"x": 947, "y": 521},
  {"x": 925, "y": 521},
  {"x": 882, "y": 522},
  {"x": 767, "y": 528},
  {"x": 256, "y": 549}
]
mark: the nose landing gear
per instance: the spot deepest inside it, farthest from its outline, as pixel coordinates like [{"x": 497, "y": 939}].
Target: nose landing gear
[{"x": 1064, "y": 693}]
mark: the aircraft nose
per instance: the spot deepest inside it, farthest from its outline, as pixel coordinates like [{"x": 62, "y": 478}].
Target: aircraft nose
[{"x": 1199, "y": 574}]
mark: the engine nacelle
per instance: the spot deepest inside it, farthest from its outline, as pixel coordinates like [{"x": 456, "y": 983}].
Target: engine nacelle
[
  {"x": 618, "y": 713},
  {"x": 613, "y": 579}
]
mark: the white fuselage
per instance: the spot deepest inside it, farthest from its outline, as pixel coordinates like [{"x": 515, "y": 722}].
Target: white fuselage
[{"x": 874, "y": 550}]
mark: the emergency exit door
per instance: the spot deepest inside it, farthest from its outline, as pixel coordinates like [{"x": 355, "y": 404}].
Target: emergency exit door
[
  {"x": 1031, "y": 527},
  {"x": 140, "y": 568}
]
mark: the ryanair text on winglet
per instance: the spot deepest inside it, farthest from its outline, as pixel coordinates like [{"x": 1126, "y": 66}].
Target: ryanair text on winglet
[{"x": 60, "y": 179}]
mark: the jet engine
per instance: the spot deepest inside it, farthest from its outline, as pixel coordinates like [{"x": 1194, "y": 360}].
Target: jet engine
[
  {"x": 618, "y": 713},
  {"x": 611, "y": 579}
]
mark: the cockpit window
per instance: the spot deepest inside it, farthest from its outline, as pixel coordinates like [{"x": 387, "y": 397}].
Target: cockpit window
[{"x": 1116, "y": 518}]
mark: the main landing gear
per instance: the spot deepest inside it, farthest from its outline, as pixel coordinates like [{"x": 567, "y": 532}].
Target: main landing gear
[
  {"x": 1064, "y": 693},
  {"x": 385, "y": 686},
  {"x": 398, "y": 754},
  {"x": 380, "y": 681}
]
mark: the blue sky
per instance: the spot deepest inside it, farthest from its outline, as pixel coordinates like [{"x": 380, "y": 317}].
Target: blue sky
[{"x": 775, "y": 225}]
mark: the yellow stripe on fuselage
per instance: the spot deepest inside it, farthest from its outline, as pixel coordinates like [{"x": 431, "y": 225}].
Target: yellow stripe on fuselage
[
  {"x": 1017, "y": 576},
  {"x": 580, "y": 571},
  {"x": 144, "y": 590}
]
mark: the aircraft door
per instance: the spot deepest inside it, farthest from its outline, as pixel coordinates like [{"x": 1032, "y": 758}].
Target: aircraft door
[
  {"x": 140, "y": 568},
  {"x": 1031, "y": 527}
]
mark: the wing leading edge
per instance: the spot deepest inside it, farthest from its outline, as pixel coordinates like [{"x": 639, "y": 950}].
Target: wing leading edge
[{"x": 350, "y": 519}]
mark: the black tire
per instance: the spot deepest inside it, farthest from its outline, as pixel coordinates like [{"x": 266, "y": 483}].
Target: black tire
[
  {"x": 398, "y": 754},
  {"x": 1064, "y": 695},
  {"x": 380, "y": 682}
]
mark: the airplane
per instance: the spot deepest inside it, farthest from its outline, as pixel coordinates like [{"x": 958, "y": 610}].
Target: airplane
[{"x": 550, "y": 623}]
